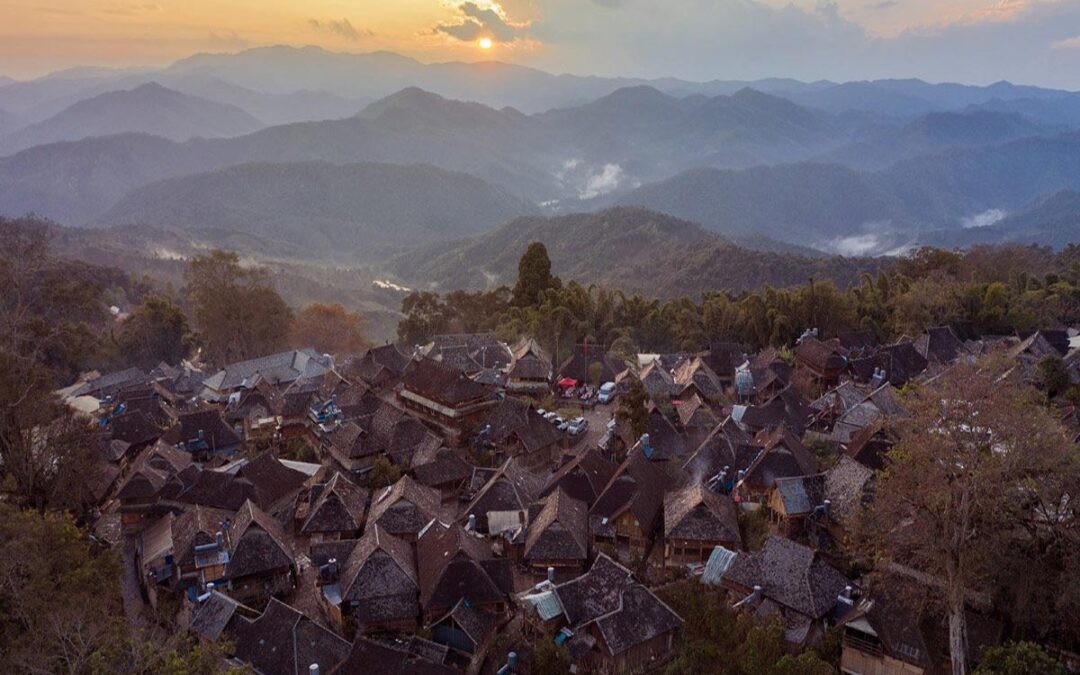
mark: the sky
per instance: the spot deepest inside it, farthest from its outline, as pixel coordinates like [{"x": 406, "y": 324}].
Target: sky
[{"x": 973, "y": 41}]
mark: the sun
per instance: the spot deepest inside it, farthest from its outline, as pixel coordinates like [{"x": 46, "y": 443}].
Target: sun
[{"x": 486, "y": 43}]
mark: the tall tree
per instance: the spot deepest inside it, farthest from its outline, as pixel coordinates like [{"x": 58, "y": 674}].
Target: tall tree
[
  {"x": 534, "y": 275},
  {"x": 331, "y": 329},
  {"x": 975, "y": 455},
  {"x": 156, "y": 331},
  {"x": 44, "y": 335},
  {"x": 237, "y": 311},
  {"x": 633, "y": 408}
]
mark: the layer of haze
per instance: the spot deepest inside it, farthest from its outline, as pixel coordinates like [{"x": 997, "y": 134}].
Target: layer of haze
[{"x": 976, "y": 41}]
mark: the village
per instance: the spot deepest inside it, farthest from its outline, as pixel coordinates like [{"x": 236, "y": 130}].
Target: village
[{"x": 469, "y": 505}]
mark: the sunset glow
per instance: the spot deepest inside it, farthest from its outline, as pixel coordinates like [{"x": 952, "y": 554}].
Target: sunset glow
[{"x": 486, "y": 43}]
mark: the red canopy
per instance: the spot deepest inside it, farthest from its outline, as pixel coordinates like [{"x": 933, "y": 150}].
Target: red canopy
[{"x": 568, "y": 382}]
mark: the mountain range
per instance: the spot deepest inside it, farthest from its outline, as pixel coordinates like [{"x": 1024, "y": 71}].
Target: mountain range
[
  {"x": 307, "y": 148},
  {"x": 147, "y": 109},
  {"x": 633, "y": 249},
  {"x": 328, "y": 211}
]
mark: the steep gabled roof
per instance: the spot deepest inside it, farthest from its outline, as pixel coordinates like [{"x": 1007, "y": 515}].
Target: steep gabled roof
[
  {"x": 584, "y": 477},
  {"x": 939, "y": 345},
  {"x": 845, "y": 485},
  {"x": 272, "y": 480},
  {"x": 511, "y": 488},
  {"x": 257, "y": 543},
  {"x": 380, "y": 577},
  {"x": 283, "y": 641},
  {"x": 801, "y": 494},
  {"x": 560, "y": 530},
  {"x": 783, "y": 455},
  {"x": 696, "y": 512},
  {"x": 638, "y": 486},
  {"x": 696, "y": 373},
  {"x": 512, "y": 419},
  {"x": 791, "y": 575},
  {"x": 529, "y": 361},
  {"x": 404, "y": 507},
  {"x": 442, "y": 383},
  {"x": 453, "y": 564},
  {"x": 280, "y": 368},
  {"x": 339, "y": 507}
]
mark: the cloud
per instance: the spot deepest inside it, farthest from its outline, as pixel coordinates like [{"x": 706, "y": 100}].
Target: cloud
[
  {"x": 1067, "y": 43},
  {"x": 603, "y": 182},
  {"x": 477, "y": 22},
  {"x": 984, "y": 219},
  {"x": 882, "y": 5},
  {"x": 339, "y": 27}
]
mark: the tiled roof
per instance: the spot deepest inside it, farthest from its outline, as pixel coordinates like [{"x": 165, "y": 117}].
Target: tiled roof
[
  {"x": 215, "y": 431},
  {"x": 584, "y": 477},
  {"x": 272, "y": 480},
  {"x": 511, "y": 488},
  {"x": 338, "y": 507},
  {"x": 405, "y": 507},
  {"x": 560, "y": 530},
  {"x": 697, "y": 373},
  {"x": 639, "y": 486},
  {"x": 367, "y": 657},
  {"x": 380, "y": 574},
  {"x": 697, "y": 513},
  {"x": 478, "y": 624},
  {"x": 452, "y": 564},
  {"x": 443, "y": 384},
  {"x": 641, "y": 617},
  {"x": 280, "y": 368},
  {"x": 576, "y": 366},
  {"x": 210, "y": 617},
  {"x": 445, "y": 468},
  {"x": 529, "y": 361},
  {"x": 258, "y": 544},
  {"x": 845, "y": 484},
  {"x": 283, "y": 641},
  {"x": 791, "y": 575},
  {"x": 469, "y": 352},
  {"x": 515, "y": 420}
]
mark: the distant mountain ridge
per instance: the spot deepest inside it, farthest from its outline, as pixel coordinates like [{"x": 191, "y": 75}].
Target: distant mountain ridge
[
  {"x": 321, "y": 209},
  {"x": 637, "y": 250},
  {"x": 149, "y": 108}
]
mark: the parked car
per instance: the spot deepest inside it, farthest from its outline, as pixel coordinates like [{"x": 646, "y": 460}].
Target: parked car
[
  {"x": 551, "y": 416},
  {"x": 577, "y": 426},
  {"x": 541, "y": 412},
  {"x": 607, "y": 392}
]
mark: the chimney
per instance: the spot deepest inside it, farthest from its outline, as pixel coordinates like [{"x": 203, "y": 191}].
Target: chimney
[
  {"x": 332, "y": 563},
  {"x": 511, "y": 664},
  {"x": 551, "y": 574},
  {"x": 751, "y": 599},
  {"x": 313, "y": 669},
  {"x": 827, "y": 504},
  {"x": 471, "y": 527},
  {"x": 219, "y": 539},
  {"x": 846, "y": 596}
]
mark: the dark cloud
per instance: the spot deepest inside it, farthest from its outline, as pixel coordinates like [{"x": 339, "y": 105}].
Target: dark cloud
[
  {"x": 478, "y": 22},
  {"x": 340, "y": 27}
]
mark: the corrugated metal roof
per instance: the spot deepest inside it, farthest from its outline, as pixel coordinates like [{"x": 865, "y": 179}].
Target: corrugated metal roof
[
  {"x": 719, "y": 561},
  {"x": 546, "y": 604}
]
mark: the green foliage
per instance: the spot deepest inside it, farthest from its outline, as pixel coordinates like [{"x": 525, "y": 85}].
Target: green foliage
[
  {"x": 633, "y": 410},
  {"x": 298, "y": 449},
  {"x": 1018, "y": 658},
  {"x": 994, "y": 289},
  {"x": 755, "y": 528},
  {"x": 156, "y": 331},
  {"x": 383, "y": 472},
  {"x": 549, "y": 658},
  {"x": 236, "y": 309},
  {"x": 534, "y": 276},
  {"x": 1053, "y": 376}
]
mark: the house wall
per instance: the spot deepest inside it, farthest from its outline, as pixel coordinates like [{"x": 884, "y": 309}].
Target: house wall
[
  {"x": 856, "y": 662},
  {"x": 690, "y": 551}
]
